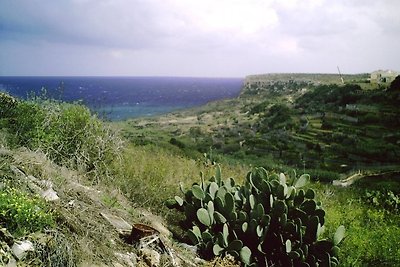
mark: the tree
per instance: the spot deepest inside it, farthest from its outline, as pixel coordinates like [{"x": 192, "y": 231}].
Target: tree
[
  {"x": 395, "y": 85},
  {"x": 279, "y": 116}
]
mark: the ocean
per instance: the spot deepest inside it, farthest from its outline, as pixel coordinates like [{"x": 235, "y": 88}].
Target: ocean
[{"x": 120, "y": 98}]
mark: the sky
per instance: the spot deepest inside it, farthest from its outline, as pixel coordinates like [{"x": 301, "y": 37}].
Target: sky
[{"x": 197, "y": 38}]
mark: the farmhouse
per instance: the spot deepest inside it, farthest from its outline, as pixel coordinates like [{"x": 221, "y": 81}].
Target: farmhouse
[{"x": 383, "y": 76}]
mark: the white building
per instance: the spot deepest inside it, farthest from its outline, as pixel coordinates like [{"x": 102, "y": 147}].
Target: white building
[{"x": 383, "y": 76}]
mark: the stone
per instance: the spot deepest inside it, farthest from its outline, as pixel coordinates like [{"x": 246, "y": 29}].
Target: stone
[
  {"x": 129, "y": 259},
  {"x": 18, "y": 173},
  {"x": 33, "y": 179},
  {"x": 192, "y": 249},
  {"x": 151, "y": 257},
  {"x": 119, "y": 224},
  {"x": 71, "y": 204},
  {"x": 50, "y": 195},
  {"x": 21, "y": 248},
  {"x": 12, "y": 263}
]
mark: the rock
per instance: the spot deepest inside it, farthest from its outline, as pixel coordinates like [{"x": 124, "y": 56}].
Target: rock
[
  {"x": 5, "y": 152},
  {"x": 199, "y": 261},
  {"x": 33, "y": 179},
  {"x": 12, "y": 263},
  {"x": 151, "y": 257},
  {"x": 34, "y": 188},
  {"x": 129, "y": 259},
  {"x": 21, "y": 248},
  {"x": 119, "y": 224},
  {"x": 17, "y": 172},
  {"x": 192, "y": 249},
  {"x": 71, "y": 204},
  {"x": 50, "y": 195}
]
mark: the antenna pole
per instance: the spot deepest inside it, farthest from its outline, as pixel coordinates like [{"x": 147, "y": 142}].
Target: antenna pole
[{"x": 340, "y": 74}]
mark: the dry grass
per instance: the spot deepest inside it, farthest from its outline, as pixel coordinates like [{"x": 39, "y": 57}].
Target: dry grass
[
  {"x": 82, "y": 236},
  {"x": 150, "y": 175}
]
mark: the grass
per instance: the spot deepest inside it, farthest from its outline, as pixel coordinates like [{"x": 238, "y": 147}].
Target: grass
[
  {"x": 372, "y": 234},
  {"x": 149, "y": 175}
]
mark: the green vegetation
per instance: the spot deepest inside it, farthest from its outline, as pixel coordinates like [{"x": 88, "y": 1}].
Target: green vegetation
[
  {"x": 23, "y": 214},
  {"x": 281, "y": 123},
  {"x": 372, "y": 233},
  {"x": 266, "y": 221},
  {"x": 67, "y": 133},
  {"x": 318, "y": 127}
]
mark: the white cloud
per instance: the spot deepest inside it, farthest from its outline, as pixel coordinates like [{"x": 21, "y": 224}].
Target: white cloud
[
  {"x": 213, "y": 37},
  {"x": 231, "y": 16}
]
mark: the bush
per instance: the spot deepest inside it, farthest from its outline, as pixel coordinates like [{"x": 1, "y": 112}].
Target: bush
[
  {"x": 323, "y": 175},
  {"x": 278, "y": 116},
  {"x": 67, "y": 133},
  {"x": 386, "y": 199},
  {"x": 23, "y": 214},
  {"x": 266, "y": 222},
  {"x": 177, "y": 143},
  {"x": 7, "y": 105}
]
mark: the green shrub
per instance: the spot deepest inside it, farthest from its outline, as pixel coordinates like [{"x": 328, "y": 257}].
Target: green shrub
[
  {"x": 385, "y": 199},
  {"x": 67, "y": 133},
  {"x": 279, "y": 116},
  {"x": 23, "y": 214},
  {"x": 267, "y": 221},
  {"x": 7, "y": 105},
  {"x": 177, "y": 143},
  {"x": 27, "y": 123},
  {"x": 323, "y": 175}
]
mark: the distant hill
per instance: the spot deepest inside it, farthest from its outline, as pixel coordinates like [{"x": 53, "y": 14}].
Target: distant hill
[{"x": 305, "y": 121}]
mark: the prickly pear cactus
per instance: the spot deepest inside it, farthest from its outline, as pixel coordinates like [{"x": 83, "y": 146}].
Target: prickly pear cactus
[{"x": 267, "y": 221}]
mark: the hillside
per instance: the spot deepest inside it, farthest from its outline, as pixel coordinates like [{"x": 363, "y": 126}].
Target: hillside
[
  {"x": 71, "y": 191},
  {"x": 109, "y": 176},
  {"x": 278, "y": 121},
  {"x": 282, "y": 122}
]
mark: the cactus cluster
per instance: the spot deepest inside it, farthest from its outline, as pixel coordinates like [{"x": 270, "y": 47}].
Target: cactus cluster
[{"x": 267, "y": 221}]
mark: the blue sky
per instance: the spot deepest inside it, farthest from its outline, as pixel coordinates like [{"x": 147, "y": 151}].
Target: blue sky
[{"x": 214, "y": 38}]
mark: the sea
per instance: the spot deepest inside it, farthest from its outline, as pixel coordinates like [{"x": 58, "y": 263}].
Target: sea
[{"x": 121, "y": 98}]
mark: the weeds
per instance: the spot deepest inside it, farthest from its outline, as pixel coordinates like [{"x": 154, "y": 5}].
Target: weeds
[
  {"x": 23, "y": 214},
  {"x": 386, "y": 199},
  {"x": 52, "y": 249},
  {"x": 372, "y": 233}
]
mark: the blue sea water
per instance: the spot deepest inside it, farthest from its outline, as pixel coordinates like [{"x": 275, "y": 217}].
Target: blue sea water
[{"x": 119, "y": 98}]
